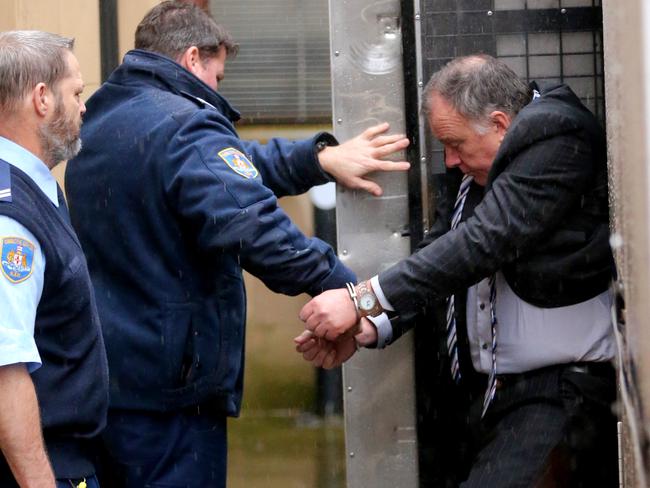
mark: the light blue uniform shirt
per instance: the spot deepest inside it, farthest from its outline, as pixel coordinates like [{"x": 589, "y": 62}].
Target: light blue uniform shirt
[{"x": 19, "y": 298}]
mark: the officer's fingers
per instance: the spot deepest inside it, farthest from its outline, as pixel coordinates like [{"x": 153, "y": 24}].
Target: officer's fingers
[
  {"x": 333, "y": 333},
  {"x": 319, "y": 330},
  {"x": 388, "y": 149},
  {"x": 391, "y": 165},
  {"x": 375, "y": 130},
  {"x": 306, "y": 311},
  {"x": 391, "y": 139},
  {"x": 369, "y": 186}
]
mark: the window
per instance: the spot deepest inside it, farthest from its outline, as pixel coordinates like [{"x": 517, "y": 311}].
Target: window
[{"x": 282, "y": 71}]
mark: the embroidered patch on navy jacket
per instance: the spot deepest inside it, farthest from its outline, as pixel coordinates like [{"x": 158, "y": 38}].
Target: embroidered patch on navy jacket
[{"x": 238, "y": 162}]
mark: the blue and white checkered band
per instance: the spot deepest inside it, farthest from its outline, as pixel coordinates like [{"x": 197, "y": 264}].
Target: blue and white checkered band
[{"x": 5, "y": 181}]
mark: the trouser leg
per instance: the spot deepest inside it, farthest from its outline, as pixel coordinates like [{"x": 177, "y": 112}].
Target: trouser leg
[
  {"x": 149, "y": 449},
  {"x": 553, "y": 428}
]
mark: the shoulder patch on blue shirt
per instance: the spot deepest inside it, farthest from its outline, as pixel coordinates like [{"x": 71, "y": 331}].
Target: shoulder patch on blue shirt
[
  {"x": 239, "y": 163},
  {"x": 5, "y": 182},
  {"x": 17, "y": 259}
]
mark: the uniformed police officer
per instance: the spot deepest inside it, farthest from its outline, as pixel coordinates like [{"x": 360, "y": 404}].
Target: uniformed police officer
[
  {"x": 51, "y": 352},
  {"x": 170, "y": 205}
]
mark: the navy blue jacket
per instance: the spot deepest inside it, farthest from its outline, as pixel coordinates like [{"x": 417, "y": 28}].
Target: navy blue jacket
[
  {"x": 72, "y": 383},
  {"x": 170, "y": 205}
]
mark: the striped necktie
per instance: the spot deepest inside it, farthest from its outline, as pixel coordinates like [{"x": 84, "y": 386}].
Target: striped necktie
[
  {"x": 452, "y": 340},
  {"x": 492, "y": 378}
]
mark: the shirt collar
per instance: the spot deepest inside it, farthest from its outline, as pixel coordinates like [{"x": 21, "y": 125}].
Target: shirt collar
[{"x": 36, "y": 169}]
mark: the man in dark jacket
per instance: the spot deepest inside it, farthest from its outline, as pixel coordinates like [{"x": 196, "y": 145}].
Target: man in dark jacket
[
  {"x": 524, "y": 252},
  {"x": 53, "y": 372},
  {"x": 170, "y": 205}
]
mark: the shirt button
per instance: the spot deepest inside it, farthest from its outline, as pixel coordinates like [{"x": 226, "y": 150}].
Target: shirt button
[{"x": 482, "y": 306}]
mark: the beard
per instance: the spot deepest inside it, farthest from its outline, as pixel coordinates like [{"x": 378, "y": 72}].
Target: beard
[{"x": 60, "y": 137}]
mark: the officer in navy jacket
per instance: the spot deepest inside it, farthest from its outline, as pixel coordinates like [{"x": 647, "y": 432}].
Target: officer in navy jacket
[
  {"x": 539, "y": 337},
  {"x": 170, "y": 205},
  {"x": 52, "y": 355}
]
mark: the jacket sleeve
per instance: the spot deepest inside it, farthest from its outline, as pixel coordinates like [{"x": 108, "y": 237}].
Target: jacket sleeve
[
  {"x": 536, "y": 190},
  {"x": 445, "y": 188},
  {"x": 217, "y": 194},
  {"x": 289, "y": 167}
]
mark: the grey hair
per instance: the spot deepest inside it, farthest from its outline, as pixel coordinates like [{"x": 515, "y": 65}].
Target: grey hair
[
  {"x": 476, "y": 86},
  {"x": 28, "y": 58},
  {"x": 171, "y": 27}
]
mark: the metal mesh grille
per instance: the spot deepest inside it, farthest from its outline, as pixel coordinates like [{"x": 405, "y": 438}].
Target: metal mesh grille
[
  {"x": 282, "y": 71},
  {"x": 539, "y": 39}
]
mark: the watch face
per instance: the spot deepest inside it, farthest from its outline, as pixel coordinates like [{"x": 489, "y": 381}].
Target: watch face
[{"x": 367, "y": 301}]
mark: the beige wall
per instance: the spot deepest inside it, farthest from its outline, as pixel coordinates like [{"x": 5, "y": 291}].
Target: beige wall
[
  {"x": 129, "y": 14},
  {"x": 71, "y": 18}
]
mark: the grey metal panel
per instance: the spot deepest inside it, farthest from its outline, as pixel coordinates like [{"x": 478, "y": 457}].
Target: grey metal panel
[
  {"x": 379, "y": 390},
  {"x": 627, "y": 65}
]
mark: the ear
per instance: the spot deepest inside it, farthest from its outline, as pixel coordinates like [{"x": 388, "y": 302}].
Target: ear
[
  {"x": 500, "y": 121},
  {"x": 42, "y": 99},
  {"x": 190, "y": 59}
]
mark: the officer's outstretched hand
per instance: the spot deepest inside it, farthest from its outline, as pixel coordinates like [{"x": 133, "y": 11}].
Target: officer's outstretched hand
[
  {"x": 330, "y": 314},
  {"x": 351, "y": 161}
]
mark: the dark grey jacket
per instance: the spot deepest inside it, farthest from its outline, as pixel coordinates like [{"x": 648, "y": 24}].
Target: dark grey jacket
[{"x": 543, "y": 220}]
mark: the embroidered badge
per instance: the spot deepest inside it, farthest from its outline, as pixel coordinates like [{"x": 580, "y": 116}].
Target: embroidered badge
[
  {"x": 238, "y": 162},
  {"x": 17, "y": 258}
]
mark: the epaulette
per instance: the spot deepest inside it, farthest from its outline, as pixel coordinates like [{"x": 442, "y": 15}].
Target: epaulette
[{"x": 5, "y": 181}]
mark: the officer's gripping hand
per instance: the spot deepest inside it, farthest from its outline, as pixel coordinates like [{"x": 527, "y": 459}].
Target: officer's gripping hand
[
  {"x": 351, "y": 161},
  {"x": 330, "y": 314}
]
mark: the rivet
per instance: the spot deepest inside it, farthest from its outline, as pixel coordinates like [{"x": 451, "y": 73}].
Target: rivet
[
  {"x": 420, "y": 84},
  {"x": 563, "y": 11},
  {"x": 490, "y": 13},
  {"x": 339, "y": 121},
  {"x": 417, "y": 16},
  {"x": 344, "y": 252},
  {"x": 336, "y": 53},
  {"x": 351, "y": 454},
  {"x": 349, "y": 388},
  {"x": 423, "y": 160}
]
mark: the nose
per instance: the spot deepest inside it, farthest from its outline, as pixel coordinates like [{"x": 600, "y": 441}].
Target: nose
[
  {"x": 82, "y": 108},
  {"x": 452, "y": 158}
]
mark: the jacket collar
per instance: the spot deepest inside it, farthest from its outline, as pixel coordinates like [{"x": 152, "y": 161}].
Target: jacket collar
[{"x": 146, "y": 67}]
